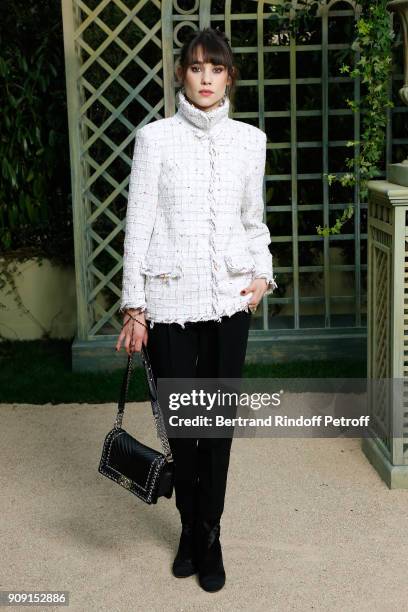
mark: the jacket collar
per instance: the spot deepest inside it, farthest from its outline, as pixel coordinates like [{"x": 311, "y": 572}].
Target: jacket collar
[{"x": 204, "y": 120}]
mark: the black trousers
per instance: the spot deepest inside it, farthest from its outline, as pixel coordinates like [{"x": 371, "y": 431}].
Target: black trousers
[{"x": 203, "y": 349}]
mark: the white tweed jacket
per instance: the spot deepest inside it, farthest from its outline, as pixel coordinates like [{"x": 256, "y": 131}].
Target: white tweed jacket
[{"x": 195, "y": 235}]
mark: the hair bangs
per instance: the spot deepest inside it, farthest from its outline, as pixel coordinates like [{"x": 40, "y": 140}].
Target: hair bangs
[{"x": 213, "y": 53}]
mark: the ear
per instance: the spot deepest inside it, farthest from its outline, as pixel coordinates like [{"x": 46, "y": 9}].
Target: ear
[{"x": 179, "y": 75}]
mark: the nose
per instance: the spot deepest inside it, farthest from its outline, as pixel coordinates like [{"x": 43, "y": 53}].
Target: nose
[{"x": 206, "y": 77}]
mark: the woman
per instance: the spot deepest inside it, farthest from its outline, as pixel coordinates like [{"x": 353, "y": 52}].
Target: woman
[{"x": 196, "y": 264}]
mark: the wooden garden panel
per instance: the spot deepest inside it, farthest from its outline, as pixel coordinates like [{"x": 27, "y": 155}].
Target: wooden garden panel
[{"x": 120, "y": 58}]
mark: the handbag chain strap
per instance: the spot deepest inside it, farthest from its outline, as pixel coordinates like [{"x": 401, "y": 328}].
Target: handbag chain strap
[{"x": 157, "y": 412}]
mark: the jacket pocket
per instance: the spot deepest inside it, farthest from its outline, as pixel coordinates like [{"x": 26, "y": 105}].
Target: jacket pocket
[
  {"x": 163, "y": 265},
  {"x": 240, "y": 263}
]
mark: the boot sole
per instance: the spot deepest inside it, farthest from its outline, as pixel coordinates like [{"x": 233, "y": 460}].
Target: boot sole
[{"x": 211, "y": 590}]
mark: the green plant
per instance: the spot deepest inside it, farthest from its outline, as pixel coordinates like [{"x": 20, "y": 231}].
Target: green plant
[
  {"x": 35, "y": 208},
  {"x": 298, "y": 21},
  {"x": 373, "y": 67}
]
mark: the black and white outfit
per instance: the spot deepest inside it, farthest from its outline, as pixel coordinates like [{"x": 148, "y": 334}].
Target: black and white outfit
[{"x": 195, "y": 237}]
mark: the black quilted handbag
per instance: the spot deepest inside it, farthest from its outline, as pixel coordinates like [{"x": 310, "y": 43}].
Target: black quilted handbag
[{"x": 145, "y": 472}]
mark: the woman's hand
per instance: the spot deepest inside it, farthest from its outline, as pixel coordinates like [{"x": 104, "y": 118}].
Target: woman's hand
[
  {"x": 134, "y": 331},
  {"x": 258, "y": 287}
]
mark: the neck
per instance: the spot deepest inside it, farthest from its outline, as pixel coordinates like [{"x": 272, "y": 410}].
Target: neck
[{"x": 205, "y": 120}]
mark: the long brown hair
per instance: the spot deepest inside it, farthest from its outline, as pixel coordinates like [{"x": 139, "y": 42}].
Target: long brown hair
[{"x": 216, "y": 50}]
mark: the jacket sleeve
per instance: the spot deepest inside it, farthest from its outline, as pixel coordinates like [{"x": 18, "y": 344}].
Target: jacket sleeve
[
  {"x": 252, "y": 216},
  {"x": 140, "y": 218}
]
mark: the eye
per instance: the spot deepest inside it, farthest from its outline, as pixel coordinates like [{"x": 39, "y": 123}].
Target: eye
[{"x": 196, "y": 68}]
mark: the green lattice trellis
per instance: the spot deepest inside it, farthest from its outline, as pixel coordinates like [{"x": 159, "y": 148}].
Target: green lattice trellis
[{"x": 120, "y": 58}]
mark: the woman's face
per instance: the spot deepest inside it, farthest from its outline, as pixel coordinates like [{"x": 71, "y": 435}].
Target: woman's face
[{"x": 201, "y": 78}]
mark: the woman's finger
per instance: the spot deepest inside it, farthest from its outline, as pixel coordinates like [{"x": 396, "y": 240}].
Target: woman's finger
[
  {"x": 128, "y": 339},
  {"x": 246, "y": 290},
  {"x": 256, "y": 298},
  {"x": 119, "y": 342}
]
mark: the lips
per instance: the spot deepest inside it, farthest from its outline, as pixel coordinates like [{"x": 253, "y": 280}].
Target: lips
[{"x": 206, "y": 91}]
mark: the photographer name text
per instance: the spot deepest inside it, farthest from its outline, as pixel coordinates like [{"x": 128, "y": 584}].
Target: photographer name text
[{"x": 269, "y": 421}]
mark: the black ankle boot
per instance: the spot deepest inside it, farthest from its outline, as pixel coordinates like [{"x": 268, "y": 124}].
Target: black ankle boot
[
  {"x": 211, "y": 573},
  {"x": 185, "y": 562}
]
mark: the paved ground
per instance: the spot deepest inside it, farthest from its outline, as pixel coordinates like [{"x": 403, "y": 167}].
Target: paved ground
[{"x": 308, "y": 524}]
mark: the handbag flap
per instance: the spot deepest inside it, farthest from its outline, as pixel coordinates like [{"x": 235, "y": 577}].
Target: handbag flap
[{"x": 128, "y": 456}]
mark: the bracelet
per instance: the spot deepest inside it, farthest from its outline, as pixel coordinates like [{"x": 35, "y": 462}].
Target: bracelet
[{"x": 134, "y": 320}]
